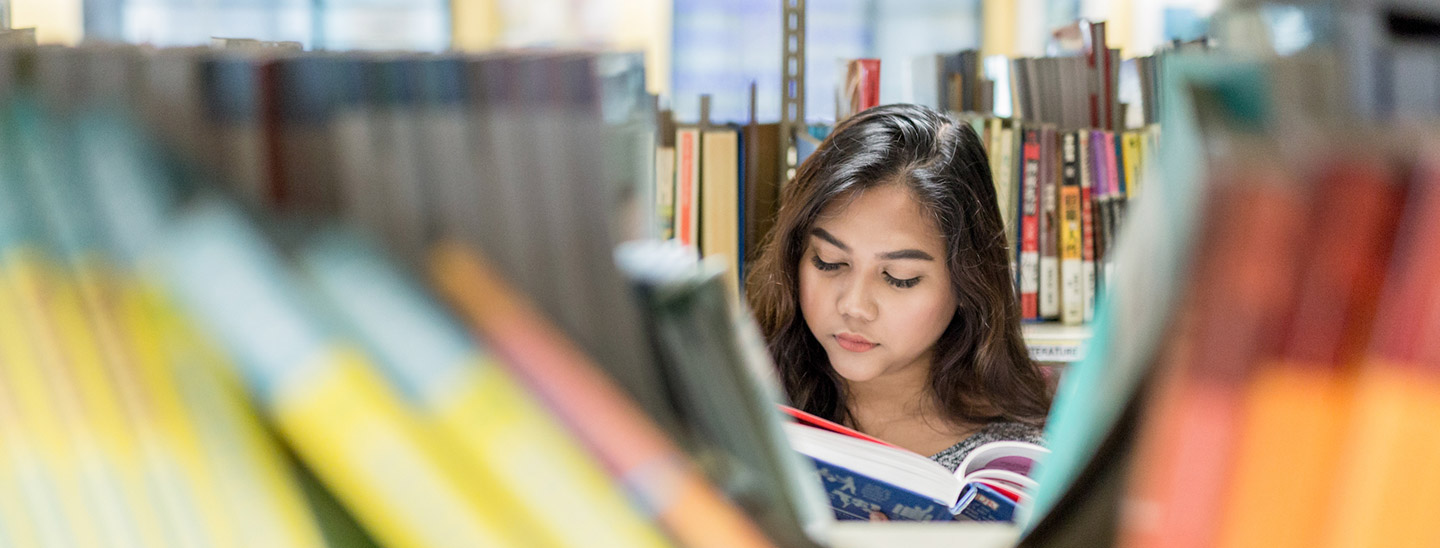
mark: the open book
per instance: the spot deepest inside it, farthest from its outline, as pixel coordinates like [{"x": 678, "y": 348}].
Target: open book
[{"x": 862, "y": 474}]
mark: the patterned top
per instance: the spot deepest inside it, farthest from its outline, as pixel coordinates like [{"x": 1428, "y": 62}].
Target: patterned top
[{"x": 995, "y": 431}]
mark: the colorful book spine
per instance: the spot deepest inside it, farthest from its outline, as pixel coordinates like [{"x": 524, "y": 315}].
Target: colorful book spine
[
  {"x": 687, "y": 185},
  {"x": 1100, "y": 197},
  {"x": 1049, "y": 228},
  {"x": 665, "y": 191},
  {"x": 404, "y": 483},
  {"x": 1071, "y": 241},
  {"x": 1030, "y": 227},
  {"x": 511, "y": 440},
  {"x": 1087, "y": 228},
  {"x": 1115, "y": 202},
  {"x": 596, "y": 410}
]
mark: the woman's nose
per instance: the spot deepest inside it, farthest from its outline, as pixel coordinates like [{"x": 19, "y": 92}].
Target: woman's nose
[{"x": 857, "y": 302}]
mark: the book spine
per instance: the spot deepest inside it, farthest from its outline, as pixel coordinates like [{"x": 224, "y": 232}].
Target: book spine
[
  {"x": 1071, "y": 241},
  {"x": 1005, "y": 181},
  {"x": 390, "y": 469},
  {"x": 1049, "y": 225},
  {"x": 1030, "y": 228},
  {"x": 1101, "y": 201},
  {"x": 259, "y": 485},
  {"x": 1087, "y": 227},
  {"x": 1116, "y": 198},
  {"x": 596, "y": 410},
  {"x": 519, "y": 449},
  {"x": 665, "y": 191},
  {"x": 1132, "y": 164},
  {"x": 687, "y": 186}
]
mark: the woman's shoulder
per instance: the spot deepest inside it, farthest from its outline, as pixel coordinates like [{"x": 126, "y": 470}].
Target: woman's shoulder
[{"x": 952, "y": 456}]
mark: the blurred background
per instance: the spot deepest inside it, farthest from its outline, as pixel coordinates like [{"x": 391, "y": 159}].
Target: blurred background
[
  {"x": 691, "y": 47},
  {"x": 469, "y": 273}
]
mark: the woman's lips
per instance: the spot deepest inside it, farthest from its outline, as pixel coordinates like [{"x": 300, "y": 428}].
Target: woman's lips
[{"x": 854, "y": 343}]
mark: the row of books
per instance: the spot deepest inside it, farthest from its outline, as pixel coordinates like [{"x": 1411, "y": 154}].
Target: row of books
[
  {"x": 1063, "y": 196},
  {"x": 718, "y": 188},
  {"x": 1062, "y": 170},
  {"x": 335, "y": 351},
  {"x": 1302, "y": 356},
  {"x": 1270, "y": 380},
  {"x": 410, "y": 145}
]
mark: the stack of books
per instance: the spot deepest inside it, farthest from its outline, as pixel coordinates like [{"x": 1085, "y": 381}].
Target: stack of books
[{"x": 272, "y": 298}]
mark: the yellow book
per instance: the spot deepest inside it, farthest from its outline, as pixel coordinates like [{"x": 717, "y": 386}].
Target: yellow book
[
  {"x": 1131, "y": 147},
  {"x": 253, "y": 478},
  {"x": 1072, "y": 293},
  {"x": 513, "y": 442},
  {"x": 132, "y": 362},
  {"x": 720, "y": 199},
  {"x": 25, "y": 488},
  {"x": 394, "y": 471}
]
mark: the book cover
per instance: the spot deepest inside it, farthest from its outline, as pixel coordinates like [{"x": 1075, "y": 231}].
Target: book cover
[
  {"x": 723, "y": 384},
  {"x": 855, "y": 496},
  {"x": 862, "y": 477}
]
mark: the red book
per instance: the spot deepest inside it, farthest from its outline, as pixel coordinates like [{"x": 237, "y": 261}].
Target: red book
[
  {"x": 687, "y": 185},
  {"x": 1230, "y": 319},
  {"x": 1298, "y": 401},
  {"x": 809, "y": 419},
  {"x": 1030, "y": 227},
  {"x": 862, "y": 85},
  {"x": 1087, "y": 227}
]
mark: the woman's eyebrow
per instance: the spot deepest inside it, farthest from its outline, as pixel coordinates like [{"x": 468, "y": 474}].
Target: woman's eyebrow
[
  {"x": 906, "y": 254},
  {"x": 888, "y": 255},
  {"x": 823, "y": 235}
]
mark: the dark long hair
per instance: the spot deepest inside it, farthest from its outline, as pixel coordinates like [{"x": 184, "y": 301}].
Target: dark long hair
[{"x": 981, "y": 371}]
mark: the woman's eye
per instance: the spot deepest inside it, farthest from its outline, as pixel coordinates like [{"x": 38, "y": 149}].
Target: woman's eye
[
  {"x": 902, "y": 284},
  {"x": 824, "y": 266}
]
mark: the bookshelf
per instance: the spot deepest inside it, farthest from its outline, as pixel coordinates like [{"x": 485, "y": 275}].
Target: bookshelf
[{"x": 1058, "y": 343}]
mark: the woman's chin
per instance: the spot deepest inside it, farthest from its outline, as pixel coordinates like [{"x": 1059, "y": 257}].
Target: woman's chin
[{"x": 853, "y": 372}]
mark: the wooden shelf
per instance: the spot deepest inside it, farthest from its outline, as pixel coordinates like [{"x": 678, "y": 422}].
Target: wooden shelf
[{"x": 1053, "y": 342}]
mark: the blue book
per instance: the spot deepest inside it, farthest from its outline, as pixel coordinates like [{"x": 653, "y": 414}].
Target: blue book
[{"x": 863, "y": 477}]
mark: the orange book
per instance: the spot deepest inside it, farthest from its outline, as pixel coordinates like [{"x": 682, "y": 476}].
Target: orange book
[
  {"x": 1387, "y": 487},
  {"x": 1295, "y": 413},
  {"x": 597, "y": 411},
  {"x": 1235, "y": 298}
]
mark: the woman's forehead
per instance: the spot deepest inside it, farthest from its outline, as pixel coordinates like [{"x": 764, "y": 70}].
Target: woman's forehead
[{"x": 881, "y": 216}]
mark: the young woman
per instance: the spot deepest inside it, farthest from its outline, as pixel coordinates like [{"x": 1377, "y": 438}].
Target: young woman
[{"x": 885, "y": 292}]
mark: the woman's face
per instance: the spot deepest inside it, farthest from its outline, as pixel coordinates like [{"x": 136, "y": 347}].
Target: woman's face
[{"x": 875, "y": 285}]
